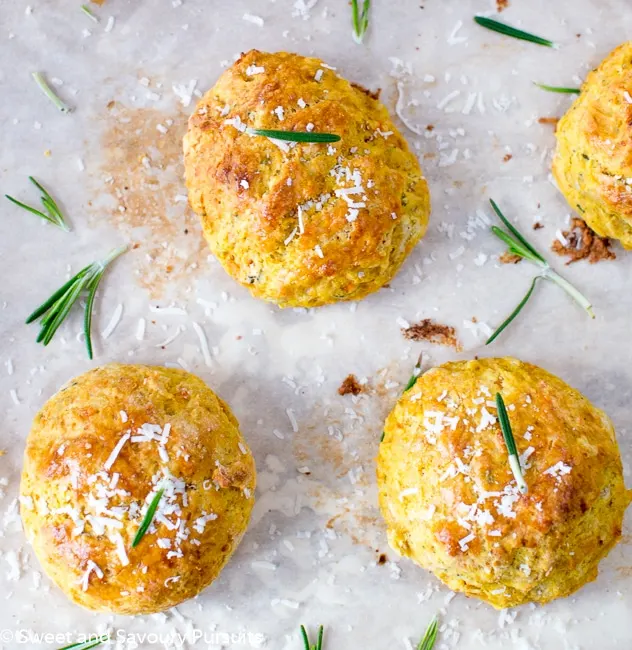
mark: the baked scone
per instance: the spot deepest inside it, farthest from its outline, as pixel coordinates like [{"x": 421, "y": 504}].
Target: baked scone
[
  {"x": 451, "y": 503},
  {"x": 98, "y": 452},
  {"x": 302, "y": 225},
  {"x": 593, "y": 159}
]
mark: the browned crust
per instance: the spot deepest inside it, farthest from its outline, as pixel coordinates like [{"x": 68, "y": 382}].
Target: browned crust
[
  {"x": 350, "y": 386},
  {"x": 583, "y": 243}
]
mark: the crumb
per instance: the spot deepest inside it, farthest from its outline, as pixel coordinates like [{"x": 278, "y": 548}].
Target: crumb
[
  {"x": 350, "y": 385},
  {"x": 382, "y": 559},
  {"x": 428, "y": 330},
  {"x": 373, "y": 94},
  {"x": 537, "y": 225},
  {"x": 501, "y": 4},
  {"x": 549, "y": 120},
  {"x": 509, "y": 258},
  {"x": 430, "y": 127},
  {"x": 583, "y": 243},
  {"x": 507, "y": 157}
]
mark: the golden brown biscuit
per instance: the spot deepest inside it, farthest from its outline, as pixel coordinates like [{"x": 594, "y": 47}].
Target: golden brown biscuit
[
  {"x": 593, "y": 159},
  {"x": 450, "y": 500},
  {"x": 307, "y": 224},
  {"x": 97, "y": 453}
]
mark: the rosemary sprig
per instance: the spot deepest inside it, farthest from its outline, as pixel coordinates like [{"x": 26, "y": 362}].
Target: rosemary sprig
[
  {"x": 295, "y": 136},
  {"x": 149, "y": 517},
  {"x": 306, "y": 644},
  {"x": 514, "y": 459},
  {"x": 50, "y": 93},
  {"x": 558, "y": 89},
  {"x": 53, "y": 213},
  {"x": 507, "y": 30},
  {"x": 411, "y": 381},
  {"x": 58, "y": 306},
  {"x": 430, "y": 637},
  {"x": 90, "y": 643},
  {"x": 88, "y": 12},
  {"x": 518, "y": 245},
  {"x": 360, "y": 19}
]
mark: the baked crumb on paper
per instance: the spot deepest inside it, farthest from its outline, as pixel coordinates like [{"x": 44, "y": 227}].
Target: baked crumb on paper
[
  {"x": 350, "y": 386},
  {"x": 583, "y": 243},
  {"x": 428, "y": 330}
]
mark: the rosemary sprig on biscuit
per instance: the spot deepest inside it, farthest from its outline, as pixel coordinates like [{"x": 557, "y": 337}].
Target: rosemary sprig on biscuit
[
  {"x": 514, "y": 459},
  {"x": 55, "y": 310},
  {"x": 508, "y": 30},
  {"x": 518, "y": 245},
  {"x": 149, "y": 517},
  {"x": 295, "y": 136}
]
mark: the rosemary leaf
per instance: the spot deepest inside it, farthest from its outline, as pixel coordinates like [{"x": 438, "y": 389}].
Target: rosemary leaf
[
  {"x": 85, "y": 645},
  {"x": 558, "y": 89},
  {"x": 360, "y": 20},
  {"x": 305, "y": 637},
  {"x": 518, "y": 245},
  {"x": 507, "y": 30},
  {"x": 53, "y": 213},
  {"x": 295, "y": 136},
  {"x": 88, "y": 12},
  {"x": 149, "y": 517},
  {"x": 430, "y": 637},
  {"x": 514, "y": 313},
  {"x": 411, "y": 381},
  {"x": 50, "y": 93},
  {"x": 514, "y": 459},
  {"x": 55, "y": 309}
]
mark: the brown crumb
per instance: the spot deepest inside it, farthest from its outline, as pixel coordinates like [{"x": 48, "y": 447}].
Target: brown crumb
[
  {"x": 428, "y": 330},
  {"x": 350, "y": 385},
  {"x": 549, "y": 120},
  {"x": 509, "y": 258},
  {"x": 537, "y": 225},
  {"x": 501, "y": 4},
  {"x": 382, "y": 559},
  {"x": 507, "y": 157},
  {"x": 430, "y": 127},
  {"x": 583, "y": 243}
]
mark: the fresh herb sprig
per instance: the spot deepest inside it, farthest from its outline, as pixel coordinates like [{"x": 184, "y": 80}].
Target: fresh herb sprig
[
  {"x": 306, "y": 644},
  {"x": 558, "y": 89},
  {"x": 50, "y": 93},
  {"x": 149, "y": 517},
  {"x": 53, "y": 213},
  {"x": 360, "y": 19},
  {"x": 514, "y": 459},
  {"x": 90, "y": 643},
  {"x": 54, "y": 310},
  {"x": 430, "y": 637},
  {"x": 518, "y": 245},
  {"x": 411, "y": 381},
  {"x": 508, "y": 30},
  {"x": 88, "y": 12},
  {"x": 295, "y": 136}
]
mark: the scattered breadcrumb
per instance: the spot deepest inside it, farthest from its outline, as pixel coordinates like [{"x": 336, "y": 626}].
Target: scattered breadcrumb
[
  {"x": 507, "y": 157},
  {"x": 509, "y": 258},
  {"x": 537, "y": 225},
  {"x": 350, "y": 385},
  {"x": 501, "y": 4},
  {"x": 549, "y": 120},
  {"x": 428, "y": 330},
  {"x": 583, "y": 243}
]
